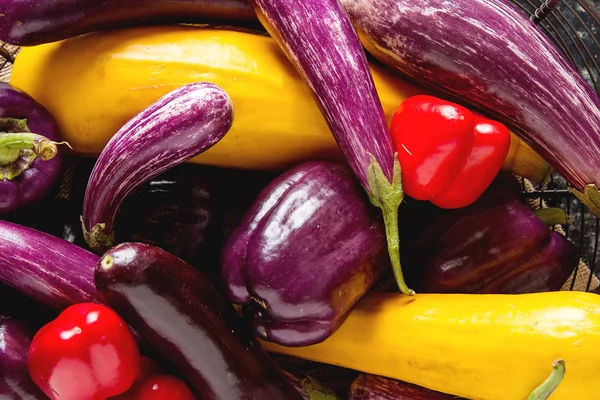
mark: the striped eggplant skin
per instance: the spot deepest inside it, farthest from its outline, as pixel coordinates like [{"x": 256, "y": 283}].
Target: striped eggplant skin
[
  {"x": 374, "y": 387},
  {"x": 487, "y": 54},
  {"x": 48, "y": 269},
  {"x": 318, "y": 38},
  {"x": 180, "y": 125},
  {"x": 15, "y": 382},
  {"x": 307, "y": 250},
  {"x": 29, "y": 22}
]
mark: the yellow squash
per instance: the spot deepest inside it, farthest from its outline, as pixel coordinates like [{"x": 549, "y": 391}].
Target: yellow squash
[
  {"x": 95, "y": 83},
  {"x": 481, "y": 347}
]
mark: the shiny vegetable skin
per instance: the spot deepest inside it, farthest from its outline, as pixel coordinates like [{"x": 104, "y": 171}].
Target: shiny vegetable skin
[
  {"x": 488, "y": 54},
  {"x": 374, "y": 387},
  {"x": 27, "y": 23},
  {"x": 27, "y": 176},
  {"x": 307, "y": 250},
  {"x": 15, "y": 382},
  {"x": 277, "y": 123},
  {"x": 470, "y": 345},
  {"x": 50, "y": 270},
  {"x": 187, "y": 320},
  {"x": 178, "y": 126},
  {"x": 319, "y": 39},
  {"x": 495, "y": 245}
]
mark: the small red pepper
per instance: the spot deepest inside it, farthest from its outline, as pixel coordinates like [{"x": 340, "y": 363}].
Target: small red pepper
[
  {"x": 449, "y": 155},
  {"x": 86, "y": 353}
]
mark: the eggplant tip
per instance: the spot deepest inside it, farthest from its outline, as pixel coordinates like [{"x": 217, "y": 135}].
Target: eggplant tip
[
  {"x": 107, "y": 262},
  {"x": 97, "y": 238}
]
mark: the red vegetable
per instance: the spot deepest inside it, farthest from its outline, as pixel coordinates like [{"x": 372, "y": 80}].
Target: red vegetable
[
  {"x": 163, "y": 387},
  {"x": 86, "y": 353},
  {"x": 448, "y": 154}
]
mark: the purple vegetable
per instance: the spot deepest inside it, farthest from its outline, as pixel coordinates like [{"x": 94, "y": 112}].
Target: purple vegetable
[
  {"x": 29, "y": 22},
  {"x": 29, "y": 163},
  {"x": 307, "y": 250},
  {"x": 50, "y": 270},
  {"x": 487, "y": 54},
  {"x": 178, "y": 126},
  {"x": 15, "y": 382},
  {"x": 374, "y": 387},
  {"x": 188, "y": 321},
  {"x": 318, "y": 37}
]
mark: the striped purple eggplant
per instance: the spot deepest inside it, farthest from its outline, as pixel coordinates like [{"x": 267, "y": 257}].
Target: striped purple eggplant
[
  {"x": 29, "y": 160},
  {"x": 318, "y": 37},
  {"x": 29, "y": 22},
  {"x": 50, "y": 270},
  {"x": 15, "y": 382},
  {"x": 487, "y": 54},
  {"x": 374, "y": 387},
  {"x": 180, "y": 125}
]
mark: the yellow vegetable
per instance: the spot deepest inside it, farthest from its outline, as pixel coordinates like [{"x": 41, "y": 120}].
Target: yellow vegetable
[
  {"x": 93, "y": 84},
  {"x": 482, "y": 347}
]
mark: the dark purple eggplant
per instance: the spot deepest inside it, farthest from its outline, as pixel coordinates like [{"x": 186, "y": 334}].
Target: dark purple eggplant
[
  {"x": 319, "y": 39},
  {"x": 180, "y": 125},
  {"x": 15, "y": 382},
  {"x": 307, "y": 250},
  {"x": 50, "y": 270},
  {"x": 29, "y": 22},
  {"x": 489, "y": 55},
  {"x": 374, "y": 387},
  {"x": 186, "y": 319},
  {"x": 29, "y": 160},
  {"x": 495, "y": 245}
]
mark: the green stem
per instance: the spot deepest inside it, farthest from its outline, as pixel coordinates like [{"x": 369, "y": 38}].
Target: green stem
[
  {"x": 552, "y": 216},
  {"x": 388, "y": 196},
  {"x": 316, "y": 390},
  {"x": 11, "y": 145},
  {"x": 544, "y": 391}
]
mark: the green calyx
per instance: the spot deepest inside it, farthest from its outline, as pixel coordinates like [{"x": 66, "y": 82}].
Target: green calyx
[
  {"x": 388, "y": 196},
  {"x": 590, "y": 197},
  {"x": 553, "y": 216},
  {"x": 97, "y": 238},
  {"x": 544, "y": 391},
  {"x": 19, "y": 148},
  {"x": 316, "y": 390}
]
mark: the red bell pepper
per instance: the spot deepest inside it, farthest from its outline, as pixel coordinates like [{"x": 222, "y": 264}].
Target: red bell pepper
[
  {"x": 449, "y": 155},
  {"x": 86, "y": 353}
]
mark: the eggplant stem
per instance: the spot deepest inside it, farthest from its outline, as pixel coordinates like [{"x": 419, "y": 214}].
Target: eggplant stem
[
  {"x": 97, "y": 238},
  {"x": 553, "y": 216},
  {"x": 315, "y": 390},
  {"x": 388, "y": 197},
  {"x": 544, "y": 391},
  {"x": 12, "y": 145}
]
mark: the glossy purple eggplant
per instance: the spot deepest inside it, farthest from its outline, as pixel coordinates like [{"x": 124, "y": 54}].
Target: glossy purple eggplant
[
  {"x": 320, "y": 41},
  {"x": 50, "y": 270},
  {"x": 30, "y": 163},
  {"x": 29, "y": 22},
  {"x": 307, "y": 250},
  {"x": 15, "y": 382},
  {"x": 180, "y": 125},
  {"x": 373, "y": 387},
  {"x": 187, "y": 320},
  {"x": 489, "y": 55},
  {"x": 495, "y": 245}
]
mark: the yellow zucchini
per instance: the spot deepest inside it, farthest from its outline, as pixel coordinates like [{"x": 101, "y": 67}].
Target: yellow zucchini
[
  {"x": 481, "y": 347},
  {"x": 95, "y": 83}
]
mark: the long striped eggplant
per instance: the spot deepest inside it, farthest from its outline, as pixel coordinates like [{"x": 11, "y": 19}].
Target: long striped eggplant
[
  {"x": 183, "y": 123},
  {"x": 31, "y": 22},
  {"x": 50, "y": 270},
  {"x": 318, "y": 38},
  {"x": 487, "y": 54}
]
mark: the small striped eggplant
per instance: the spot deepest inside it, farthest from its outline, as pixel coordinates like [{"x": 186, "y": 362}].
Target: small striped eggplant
[
  {"x": 27, "y": 23},
  {"x": 180, "y": 125},
  {"x": 374, "y": 387},
  {"x": 307, "y": 250},
  {"x": 49, "y": 270},
  {"x": 319, "y": 39},
  {"x": 29, "y": 160},
  {"x": 488, "y": 54}
]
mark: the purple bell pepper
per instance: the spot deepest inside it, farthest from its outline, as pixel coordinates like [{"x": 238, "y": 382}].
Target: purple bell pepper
[
  {"x": 29, "y": 160},
  {"x": 307, "y": 250}
]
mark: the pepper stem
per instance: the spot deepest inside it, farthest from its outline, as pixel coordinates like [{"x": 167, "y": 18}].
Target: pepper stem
[
  {"x": 388, "y": 197},
  {"x": 544, "y": 391}
]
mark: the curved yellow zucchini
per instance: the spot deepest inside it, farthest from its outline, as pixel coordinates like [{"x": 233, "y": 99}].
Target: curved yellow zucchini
[
  {"x": 481, "y": 347},
  {"x": 95, "y": 83}
]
